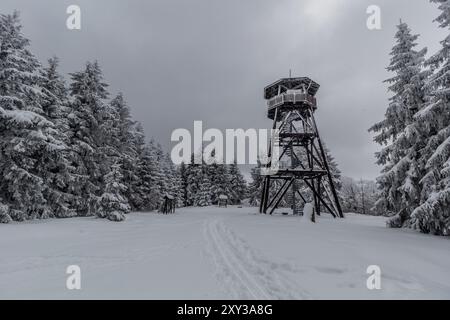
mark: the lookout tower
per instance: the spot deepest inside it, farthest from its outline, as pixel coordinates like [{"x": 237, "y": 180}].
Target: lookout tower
[{"x": 303, "y": 173}]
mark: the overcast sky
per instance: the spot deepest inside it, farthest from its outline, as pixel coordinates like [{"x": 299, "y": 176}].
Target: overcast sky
[{"x": 178, "y": 61}]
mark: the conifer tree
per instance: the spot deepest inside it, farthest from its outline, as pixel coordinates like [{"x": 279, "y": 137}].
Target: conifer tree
[
  {"x": 399, "y": 133},
  {"x": 202, "y": 197},
  {"x": 179, "y": 190},
  {"x": 334, "y": 169},
  {"x": 89, "y": 112},
  {"x": 143, "y": 171},
  {"x": 238, "y": 186},
  {"x": 183, "y": 173},
  {"x": 26, "y": 135},
  {"x": 162, "y": 172},
  {"x": 194, "y": 174},
  {"x": 113, "y": 204},
  {"x": 433, "y": 214},
  {"x": 217, "y": 174},
  {"x": 127, "y": 146},
  {"x": 57, "y": 167},
  {"x": 4, "y": 214},
  {"x": 255, "y": 187},
  {"x": 146, "y": 187}
]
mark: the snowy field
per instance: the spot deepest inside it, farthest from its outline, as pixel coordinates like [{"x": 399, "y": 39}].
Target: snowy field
[{"x": 213, "y": 253}]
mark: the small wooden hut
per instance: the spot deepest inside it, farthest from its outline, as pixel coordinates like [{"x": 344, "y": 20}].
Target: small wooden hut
[
  {"x": 223, "y": 201},
  {"x": 168, "y": 205}
]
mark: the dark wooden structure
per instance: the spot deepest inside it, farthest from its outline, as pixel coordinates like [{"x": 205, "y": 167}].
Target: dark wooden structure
[
  {"x": 223, "y": 201},
  {"x": 300, "y": 153},
  {"x": 168, "y": 205}
]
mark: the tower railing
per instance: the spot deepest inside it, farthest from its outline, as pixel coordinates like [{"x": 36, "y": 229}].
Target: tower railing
[{"x": 295, "y": 98}]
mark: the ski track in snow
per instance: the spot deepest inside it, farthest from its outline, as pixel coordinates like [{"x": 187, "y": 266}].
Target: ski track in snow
[{"x": 244, "y": 273}]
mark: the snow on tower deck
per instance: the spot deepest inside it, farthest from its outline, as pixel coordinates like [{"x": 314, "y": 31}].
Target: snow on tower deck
[{"x": 291, "y": 93}]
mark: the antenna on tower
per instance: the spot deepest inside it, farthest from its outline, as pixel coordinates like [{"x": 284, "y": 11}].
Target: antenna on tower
[{"x": 290, "y": 74}]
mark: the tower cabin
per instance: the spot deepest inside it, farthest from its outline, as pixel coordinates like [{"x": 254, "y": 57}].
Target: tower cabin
[{"x": 290, "y": 94}]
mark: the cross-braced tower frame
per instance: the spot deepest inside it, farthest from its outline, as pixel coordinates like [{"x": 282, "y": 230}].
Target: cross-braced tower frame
[{"x": 303, "y": 172}]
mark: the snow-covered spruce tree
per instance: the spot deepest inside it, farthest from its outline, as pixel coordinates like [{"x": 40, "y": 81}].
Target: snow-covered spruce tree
[
  {"x": 183, "y": 174},
  {"x": 146, "y": 187},
  {"x": 399, "y": 133},
  {"x": 433, "y": 215},
  {"x": 163, "y": 173},
  {"x": 334, "y": 169},
  {"x": 127, "y": 145},
  {"x": 173, "y": 185},
  {"x": 143, "y": 171},
  {"x": 4, "y": 213},
  {"x": 112, "y": 152},
  {"x": 238, "y": 185},
  {"x": 56, "y": 166},
  {"x": 26, "y": 135},
  {"x": 221, "y": 183},
  {"x": 113, "y": 203},
  {"x": 153, "y": 175},
  {"x": 56, "y": 103},
  {"x": 255, "y": 186},
  {"x": 87, "y": 116},
  {"x": 170, "y": 174},
  {"x": 194, "y": 174},
  {"x": 202, "y": 198},
  {"x": 179, "y": 189},
  {"x": 217, "y": 173},
  {"x": 156, "y": 175},
  {"x": 176, "y": 184}
]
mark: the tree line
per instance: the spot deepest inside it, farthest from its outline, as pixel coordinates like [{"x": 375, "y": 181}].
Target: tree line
[
  {"x": 70, "y": 150},
  {"x": 203, "y": 184}
]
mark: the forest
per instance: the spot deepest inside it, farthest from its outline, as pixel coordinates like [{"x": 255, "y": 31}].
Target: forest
[{"x": 72, "y": 148}]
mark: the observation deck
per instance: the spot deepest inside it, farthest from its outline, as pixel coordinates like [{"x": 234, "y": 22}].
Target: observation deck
[{"x": 291, "y": 94}]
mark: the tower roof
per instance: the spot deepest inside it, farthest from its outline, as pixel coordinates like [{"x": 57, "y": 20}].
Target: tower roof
[{"x": 291, "y": 84}]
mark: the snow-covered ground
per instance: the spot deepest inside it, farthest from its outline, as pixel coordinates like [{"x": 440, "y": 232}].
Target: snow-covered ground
[{"x": 213, "y": 253}]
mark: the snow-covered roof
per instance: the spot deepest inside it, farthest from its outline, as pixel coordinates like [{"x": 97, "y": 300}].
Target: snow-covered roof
[{"x": 223, "y": 197}]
